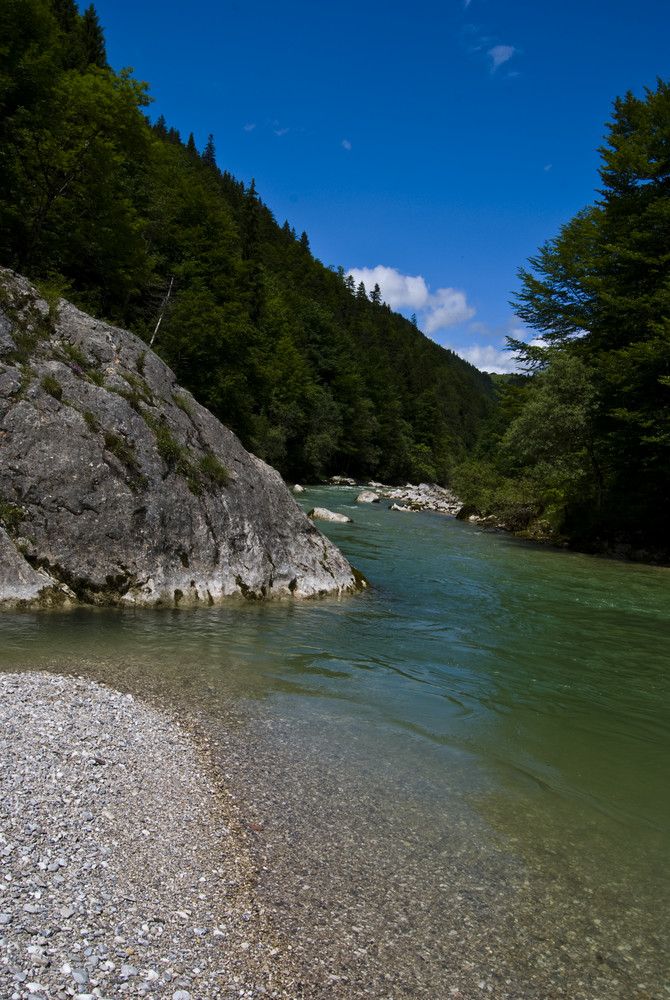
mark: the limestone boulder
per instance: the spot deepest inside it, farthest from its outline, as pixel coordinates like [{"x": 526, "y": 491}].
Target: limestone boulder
[
  {"x": 367, "y": 496},
  {"x": 323, "y": 514},
  {"x": 117, "y": 487}
]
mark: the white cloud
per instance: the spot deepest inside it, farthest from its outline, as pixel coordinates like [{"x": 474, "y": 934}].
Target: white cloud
[
  {"x": 280, "y": 131},
  {"x": 492, "y": 357},
  {"x": 397, "y": 289},
  {"x": 487, "y": 359},
  {"x": 346, "y": 144},
  {"x": 500, "y": 54},
  {"x": 250, "y": 128},
  {"x": 446, "y": 307}
]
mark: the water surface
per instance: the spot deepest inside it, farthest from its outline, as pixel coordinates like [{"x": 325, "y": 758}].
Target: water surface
[{"x": 461, "y": 776}]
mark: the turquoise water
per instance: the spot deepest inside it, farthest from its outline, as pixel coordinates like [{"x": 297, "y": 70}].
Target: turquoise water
[{"x": 469, "y": 763}]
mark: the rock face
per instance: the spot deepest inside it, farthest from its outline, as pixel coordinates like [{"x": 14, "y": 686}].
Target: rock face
[{"x": 117, "y": 487}]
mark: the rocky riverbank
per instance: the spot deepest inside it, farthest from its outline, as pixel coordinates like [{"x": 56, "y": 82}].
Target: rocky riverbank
[
  {"x": 411, "y": 497},
  {"x": 124, "y": 867}
]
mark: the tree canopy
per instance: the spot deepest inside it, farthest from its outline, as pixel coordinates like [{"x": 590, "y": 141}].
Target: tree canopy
[
  {"x": 595, "y": 415},
  {"x": 140, "y": 228}
]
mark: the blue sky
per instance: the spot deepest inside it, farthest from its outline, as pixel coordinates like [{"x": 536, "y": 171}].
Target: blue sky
[{"x": 432, "y": 147}]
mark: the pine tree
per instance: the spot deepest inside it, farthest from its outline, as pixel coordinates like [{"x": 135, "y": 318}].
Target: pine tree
[
  {"x": 250, "y": 222},
  {"x": 92, "y": 39},
  {"x": 600, "y": 291},
  {"x": 209, "y": 152}
]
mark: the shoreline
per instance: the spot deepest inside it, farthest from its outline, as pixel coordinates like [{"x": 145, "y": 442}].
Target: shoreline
[
  {"x": 293, "y": 869},
  {"x": 124, "y": 867},
  {"x": 416, "y": 498}
]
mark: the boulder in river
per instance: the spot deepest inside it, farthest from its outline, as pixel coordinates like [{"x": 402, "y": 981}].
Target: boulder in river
[
  {"x": 117, "y": 487},
  {"x": 367, "y": 496},
  {"x": 323, "y": 514}
]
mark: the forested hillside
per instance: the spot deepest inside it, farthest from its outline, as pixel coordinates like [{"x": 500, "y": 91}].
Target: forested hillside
[
  {"x": 583, "y": 441},
  {"x": 139, "y": 227}
]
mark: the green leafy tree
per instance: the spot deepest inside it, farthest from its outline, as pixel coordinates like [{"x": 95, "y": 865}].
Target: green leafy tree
[
  {"x": 600, "y": 291},
  {"x": 68, "y": 158},
  {"x": 30, "y": 59},
  {"x": 554, "y": 434}
]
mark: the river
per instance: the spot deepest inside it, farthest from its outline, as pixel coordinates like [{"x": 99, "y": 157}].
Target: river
[{"x": 456, "y": 783}]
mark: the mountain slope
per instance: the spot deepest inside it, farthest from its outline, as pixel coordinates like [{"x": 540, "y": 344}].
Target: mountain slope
[{"x": 138, "y": 227}]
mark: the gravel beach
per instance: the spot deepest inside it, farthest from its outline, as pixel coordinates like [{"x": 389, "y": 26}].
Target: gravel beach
[{"x": 124, "y": 871}]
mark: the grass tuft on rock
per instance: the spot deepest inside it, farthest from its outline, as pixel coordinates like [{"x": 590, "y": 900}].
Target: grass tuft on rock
[{"x": 52, "y": 386}]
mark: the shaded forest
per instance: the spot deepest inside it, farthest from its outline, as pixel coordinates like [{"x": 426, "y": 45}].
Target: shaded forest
[
  {"x": 137, "y": 226},
  {"x": 579, "y": 448}
]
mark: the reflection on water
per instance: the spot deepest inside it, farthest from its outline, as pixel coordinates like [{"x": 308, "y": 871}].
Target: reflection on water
[{"x": 479, "y": 746}]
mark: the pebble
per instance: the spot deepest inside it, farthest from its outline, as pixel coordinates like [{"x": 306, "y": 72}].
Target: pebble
[{"x": 89, "y": 906}]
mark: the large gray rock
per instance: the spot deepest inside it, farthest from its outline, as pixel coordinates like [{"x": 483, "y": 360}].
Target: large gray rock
[
  {"x": 323, "y": 514},
  {"x": 367, "y": 496},
  {"x": 116, "y": 486}
]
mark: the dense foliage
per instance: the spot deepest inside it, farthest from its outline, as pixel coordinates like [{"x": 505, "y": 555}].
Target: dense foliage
[
  {"x": 584, "y": 441},
  {"x": 138, "y": 227}
]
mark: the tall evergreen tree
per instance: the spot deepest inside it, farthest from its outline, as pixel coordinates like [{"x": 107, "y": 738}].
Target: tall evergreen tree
[
  {"x": 601, "y": 292},
  {"x": 92, "y": 39},
  {"x": 209, "y": 152},
  {"x": 250, "y": 221}
]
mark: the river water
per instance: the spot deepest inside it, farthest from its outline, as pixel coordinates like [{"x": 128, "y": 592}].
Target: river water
[{"x": 456, "y": 784}]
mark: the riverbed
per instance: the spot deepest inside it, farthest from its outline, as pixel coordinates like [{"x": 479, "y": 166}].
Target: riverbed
[{"x": 454, "y": 784}]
